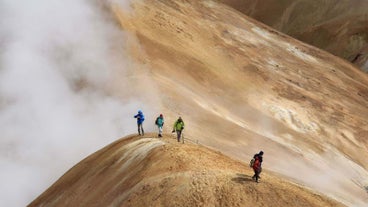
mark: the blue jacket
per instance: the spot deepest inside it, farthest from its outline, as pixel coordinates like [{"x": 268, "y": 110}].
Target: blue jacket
[{"x": 140, "y": 117}]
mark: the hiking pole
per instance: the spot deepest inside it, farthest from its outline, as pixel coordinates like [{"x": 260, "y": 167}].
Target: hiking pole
[
  {"x": 182, "y": 134},
  {"x": 173, "y": 133}
]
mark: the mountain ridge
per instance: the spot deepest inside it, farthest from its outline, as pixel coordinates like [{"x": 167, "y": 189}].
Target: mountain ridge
[{"x": 149, "y": 171}]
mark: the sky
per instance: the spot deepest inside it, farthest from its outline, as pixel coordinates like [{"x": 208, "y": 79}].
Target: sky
[{"x": 65, "y": 78}]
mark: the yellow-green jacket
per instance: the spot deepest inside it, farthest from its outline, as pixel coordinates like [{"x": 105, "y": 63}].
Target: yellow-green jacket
[{"x": 179, "y": 125}]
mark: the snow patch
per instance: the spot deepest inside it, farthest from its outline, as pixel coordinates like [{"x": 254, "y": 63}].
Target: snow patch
[
  {"x": 272, "y": 64},
  {"x": 244, "y": 36},
  {"x": 298, "y": 53},
  {"x": 261, "y": 32}
]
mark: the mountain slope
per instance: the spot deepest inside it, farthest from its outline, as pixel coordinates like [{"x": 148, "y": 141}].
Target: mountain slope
[
  {"x": 337, "y": 26},
  {"x": 241, "y": 86},
  {"x": 136, "y": 171}
]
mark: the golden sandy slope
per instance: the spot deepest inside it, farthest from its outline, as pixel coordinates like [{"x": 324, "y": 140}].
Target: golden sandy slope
[
  {"x": 146, "y": 171},
  {"x": 240, "y": 87}
]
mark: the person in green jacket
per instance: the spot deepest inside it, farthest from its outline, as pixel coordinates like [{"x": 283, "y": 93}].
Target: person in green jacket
[
  {"x": 160, "y": 123},
  {"x": 178, "y": 127}
]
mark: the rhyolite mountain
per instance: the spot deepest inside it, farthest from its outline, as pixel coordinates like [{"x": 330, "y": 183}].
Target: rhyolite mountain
[{"x": 241, "y": 87}]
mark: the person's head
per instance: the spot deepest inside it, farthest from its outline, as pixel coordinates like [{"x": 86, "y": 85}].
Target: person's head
[
  {"x": 139, "y": 111},
  {"x": 161, "y": 115},
  {"x": 180, "y": 118},
  {"x": 261, "y": 152}
]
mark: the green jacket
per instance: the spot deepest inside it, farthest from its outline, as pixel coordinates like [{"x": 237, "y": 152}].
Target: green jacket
[{"x": 179, "y": 125}]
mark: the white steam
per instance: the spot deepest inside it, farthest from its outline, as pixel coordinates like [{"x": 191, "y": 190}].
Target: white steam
[{"x": 62, "y": 91}]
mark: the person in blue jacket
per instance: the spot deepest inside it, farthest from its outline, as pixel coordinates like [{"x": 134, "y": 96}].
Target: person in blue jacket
[{"x": 140, "y": 120}]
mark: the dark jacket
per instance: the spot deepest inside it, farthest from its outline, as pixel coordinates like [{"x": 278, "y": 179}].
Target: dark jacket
[{"x": 260, "y": 157}]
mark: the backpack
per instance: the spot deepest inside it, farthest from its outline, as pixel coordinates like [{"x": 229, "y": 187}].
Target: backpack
[
  {"x": 257, "y": 165},
  {"x": 251, "y": 163},
  {"x": 156, "y": 122}
]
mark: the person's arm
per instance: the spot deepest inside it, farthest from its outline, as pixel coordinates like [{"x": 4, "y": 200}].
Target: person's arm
[{"x": 174, "y": 127}]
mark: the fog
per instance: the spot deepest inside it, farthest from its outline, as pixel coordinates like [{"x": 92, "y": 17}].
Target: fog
[{"x": 63, "y": 91}]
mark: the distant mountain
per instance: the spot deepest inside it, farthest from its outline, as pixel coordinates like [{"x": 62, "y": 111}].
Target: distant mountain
[{"x": 337, "y": 26}]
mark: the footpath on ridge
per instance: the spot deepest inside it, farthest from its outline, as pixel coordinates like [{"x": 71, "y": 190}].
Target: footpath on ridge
[{"x": 150, "y": 171}]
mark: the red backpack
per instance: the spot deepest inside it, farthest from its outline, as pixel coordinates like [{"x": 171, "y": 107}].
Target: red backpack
[{"x": 256, "y": 163}]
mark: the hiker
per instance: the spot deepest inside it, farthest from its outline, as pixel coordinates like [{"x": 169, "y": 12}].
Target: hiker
[
  {"x": 257, "y": 165},
  {"x": 178, "y": 127},
  {"x": 140, "y": 120},
  {"x": 160, "y": 123}
]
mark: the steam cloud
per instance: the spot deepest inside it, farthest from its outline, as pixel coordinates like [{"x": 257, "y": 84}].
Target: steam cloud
[{"x": 63, "y": 92}]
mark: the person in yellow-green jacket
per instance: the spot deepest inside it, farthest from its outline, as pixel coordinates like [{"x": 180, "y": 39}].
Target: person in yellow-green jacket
[{"x": 178, "y": 127}]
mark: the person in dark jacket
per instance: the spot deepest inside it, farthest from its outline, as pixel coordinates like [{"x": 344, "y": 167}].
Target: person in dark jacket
[
  {"x": 140, "y": 120},
  {"x": 257, "y": 165}
]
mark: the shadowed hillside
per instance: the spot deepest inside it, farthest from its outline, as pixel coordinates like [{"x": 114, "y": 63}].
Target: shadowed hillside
[
  {"x": 162, "y": 172},
  {"x": 337, "y": 26}
]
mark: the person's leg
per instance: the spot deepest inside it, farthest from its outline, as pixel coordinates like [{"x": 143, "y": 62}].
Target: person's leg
[
  {"x": 142, "y": 129},
  {"x": 139, "y": 129},
  {"x": 178, "y": 133},
  {"x": 257, "y": 175},
  {"x": 160, "y": 131}
]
